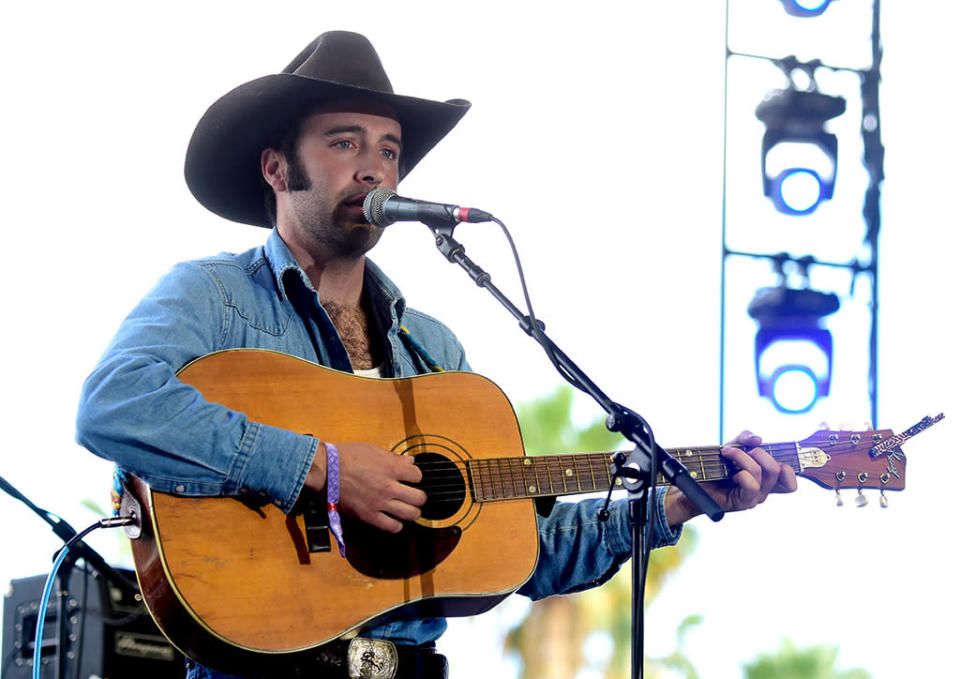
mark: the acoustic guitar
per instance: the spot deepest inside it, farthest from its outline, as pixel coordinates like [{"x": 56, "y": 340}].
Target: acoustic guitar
[{"x": 236, "y": 583}]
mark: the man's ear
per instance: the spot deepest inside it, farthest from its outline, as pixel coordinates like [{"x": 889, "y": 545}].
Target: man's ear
[{"x": 273, "y": 167}]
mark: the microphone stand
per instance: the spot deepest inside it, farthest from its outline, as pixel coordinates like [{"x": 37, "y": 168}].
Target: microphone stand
[
  {"x": 638, "y": 471},
  {"x": 81, "y": 550}
]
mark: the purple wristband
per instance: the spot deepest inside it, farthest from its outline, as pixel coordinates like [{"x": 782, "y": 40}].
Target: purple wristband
[{"x": 333, "y": 495}]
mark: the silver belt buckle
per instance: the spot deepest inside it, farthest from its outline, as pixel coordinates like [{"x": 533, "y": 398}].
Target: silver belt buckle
[{"x": 371, "y": 659}]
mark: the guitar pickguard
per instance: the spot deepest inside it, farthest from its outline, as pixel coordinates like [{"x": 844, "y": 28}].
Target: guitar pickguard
[
  {"x": 414, "y": 550},
  {"x": 420, "y": 545}
]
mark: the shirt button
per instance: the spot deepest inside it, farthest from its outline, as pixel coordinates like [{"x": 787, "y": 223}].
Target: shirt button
[{"x": 179, "y": 488}]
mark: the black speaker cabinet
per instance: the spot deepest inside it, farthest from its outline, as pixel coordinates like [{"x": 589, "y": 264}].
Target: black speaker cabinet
[{"x": 108, "y": 633}]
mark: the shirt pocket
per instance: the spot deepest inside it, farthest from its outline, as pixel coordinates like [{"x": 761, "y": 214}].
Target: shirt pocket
[{"x": 262, "y": 324}]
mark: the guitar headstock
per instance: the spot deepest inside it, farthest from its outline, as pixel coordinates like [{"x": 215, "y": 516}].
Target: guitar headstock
[{"x": 846, "y": 459}]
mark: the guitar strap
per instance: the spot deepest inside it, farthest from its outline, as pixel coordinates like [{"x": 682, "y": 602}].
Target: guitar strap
[
  {"x": 120, "y": 481},
  {"x": 415, "y": 348}
]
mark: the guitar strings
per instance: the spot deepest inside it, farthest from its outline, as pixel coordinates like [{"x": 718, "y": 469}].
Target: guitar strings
[
  {"x": 495, "y": 485},
  {"x": 780, "y": 452},
  {"x": 451, "y": 480},
  {"x": 506, "y": 478},
  {"x": 542, "y": 464},
  {"x": 514, "y": 470}
]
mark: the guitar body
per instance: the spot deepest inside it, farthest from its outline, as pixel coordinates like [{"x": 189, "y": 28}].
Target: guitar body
[{"x": 233, "y": 583}]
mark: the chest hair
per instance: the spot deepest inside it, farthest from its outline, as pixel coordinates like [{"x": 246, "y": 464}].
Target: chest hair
[{"x": 356, "y": 329}]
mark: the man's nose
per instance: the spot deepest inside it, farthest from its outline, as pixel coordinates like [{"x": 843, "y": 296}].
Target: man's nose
[{"x": 372, "y": 168}]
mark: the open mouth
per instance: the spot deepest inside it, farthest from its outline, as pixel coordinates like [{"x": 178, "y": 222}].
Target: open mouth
[{"x": 354, "y": 205}]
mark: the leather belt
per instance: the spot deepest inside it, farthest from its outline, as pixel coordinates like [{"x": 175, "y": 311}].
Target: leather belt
[
  {"x": 362, "y": 658},
  {"x": 380, "y": 659}
]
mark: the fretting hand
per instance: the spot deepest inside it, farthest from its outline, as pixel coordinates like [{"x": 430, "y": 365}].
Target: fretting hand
[{"x": 758, "y": 475}]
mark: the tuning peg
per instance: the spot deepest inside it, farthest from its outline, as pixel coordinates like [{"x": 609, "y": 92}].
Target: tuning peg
[
  {"x": 839, "y": 499},
  {"x": 850, "y": 425},
  {"x": 861, "y": 498},
  {"x": 884, "y": 503}
]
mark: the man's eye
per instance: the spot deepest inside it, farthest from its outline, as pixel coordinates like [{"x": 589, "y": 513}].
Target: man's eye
[
  {"x": 343, "y": 144},
  {"x": 390, "y": 154}
]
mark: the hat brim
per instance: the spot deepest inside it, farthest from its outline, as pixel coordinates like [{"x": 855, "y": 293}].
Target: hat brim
[{"x": 222, "y": 166}]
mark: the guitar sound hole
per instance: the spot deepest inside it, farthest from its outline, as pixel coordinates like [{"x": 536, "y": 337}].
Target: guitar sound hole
[{"x": 443, "y": 483}]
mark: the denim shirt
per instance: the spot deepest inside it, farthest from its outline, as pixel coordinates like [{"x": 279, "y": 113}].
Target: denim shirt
[{"x": 135, "y": 412}]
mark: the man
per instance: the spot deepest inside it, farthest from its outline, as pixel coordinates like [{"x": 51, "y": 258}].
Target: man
[{"x": 298, "y": 152}]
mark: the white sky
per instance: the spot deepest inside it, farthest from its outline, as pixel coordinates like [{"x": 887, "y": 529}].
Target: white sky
[{"x": 596, "y": 134}]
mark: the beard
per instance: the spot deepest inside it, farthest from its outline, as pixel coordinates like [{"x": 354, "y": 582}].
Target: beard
[
  {"x": 330, "y": 220},
  {"x": 331, "y": 224}
]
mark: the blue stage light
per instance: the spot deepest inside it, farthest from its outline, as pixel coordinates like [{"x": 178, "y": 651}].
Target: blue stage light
[
  {"x": 805, "y": 8},
  {"x": 793, "y": 354},
  {"x": 795, "y": 389},
  {"x": 793, "y": 366},
  {"x": 797, "y": 191},
  {"x": 798, "y": 156}
]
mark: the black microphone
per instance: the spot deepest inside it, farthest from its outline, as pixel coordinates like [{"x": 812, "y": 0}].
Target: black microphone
[{"x": 382, "y": 207}]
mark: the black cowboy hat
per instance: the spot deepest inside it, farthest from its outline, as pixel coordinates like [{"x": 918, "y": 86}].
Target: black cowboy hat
[{"x": 223, "y": 158}]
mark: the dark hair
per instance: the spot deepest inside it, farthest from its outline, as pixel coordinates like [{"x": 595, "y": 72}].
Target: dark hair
[{"x": 285, "y": 142}]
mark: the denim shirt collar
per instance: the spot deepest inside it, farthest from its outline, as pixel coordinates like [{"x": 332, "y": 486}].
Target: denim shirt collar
[
  {"x": 385, "y": 293},
  {"x": 283, "y": 263}
]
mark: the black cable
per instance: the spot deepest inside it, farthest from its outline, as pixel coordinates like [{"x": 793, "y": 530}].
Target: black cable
[
  {"x": 60, "y": 558},
  {"x": 536, "y": 328},
  {"x": 639, "y": 529}
]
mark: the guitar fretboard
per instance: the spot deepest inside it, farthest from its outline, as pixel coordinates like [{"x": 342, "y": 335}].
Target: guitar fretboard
[{"x": 550, "y": 475}]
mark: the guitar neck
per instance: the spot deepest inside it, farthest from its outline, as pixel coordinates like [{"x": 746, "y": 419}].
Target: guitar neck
[{"x": 568, "y": 474}]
